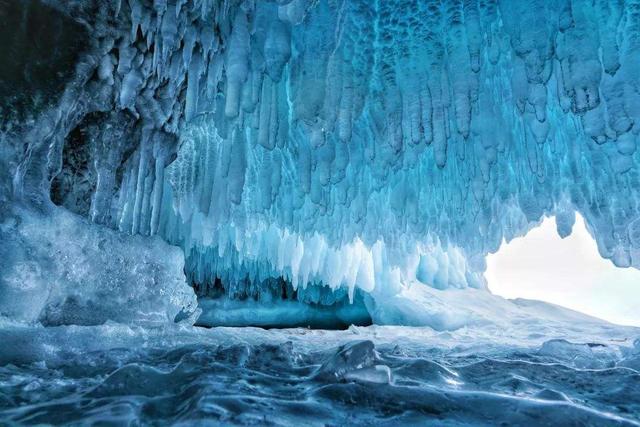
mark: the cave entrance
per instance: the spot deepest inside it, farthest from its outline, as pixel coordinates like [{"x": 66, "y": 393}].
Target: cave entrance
[
  {"x": 274, "y": 303},
  {"x": 567, "y": 272}
]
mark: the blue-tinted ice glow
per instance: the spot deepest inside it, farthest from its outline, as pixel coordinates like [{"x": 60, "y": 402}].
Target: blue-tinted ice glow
[
  {"x": 318, "y": 162},
  {"x": 348, "y": 144},
  {"x": 369, "y": 144}
]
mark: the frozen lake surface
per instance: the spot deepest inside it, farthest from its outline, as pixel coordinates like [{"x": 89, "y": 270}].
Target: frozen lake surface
[{"x": 532, "y": 374}]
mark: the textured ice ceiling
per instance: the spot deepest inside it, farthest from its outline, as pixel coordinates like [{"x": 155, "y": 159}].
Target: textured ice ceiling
[{"x": 355, "y": 143}]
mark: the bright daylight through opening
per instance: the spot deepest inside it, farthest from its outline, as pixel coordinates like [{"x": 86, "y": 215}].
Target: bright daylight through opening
[{"x": 568, "y": 272}]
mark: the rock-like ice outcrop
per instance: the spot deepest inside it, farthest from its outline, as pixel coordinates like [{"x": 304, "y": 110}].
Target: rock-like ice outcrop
[
  {"x": 59, "y": 269},
  {"x": 347, "y": 144}
]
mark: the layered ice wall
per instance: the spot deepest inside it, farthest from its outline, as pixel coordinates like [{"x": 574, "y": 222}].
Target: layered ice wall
[
  {"x": 360, "y": 145},
  {"x": 370, "y": 144}
]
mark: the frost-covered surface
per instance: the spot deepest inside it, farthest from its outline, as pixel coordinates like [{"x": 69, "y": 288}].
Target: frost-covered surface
[
  {"x": 59, "y": 269},
  {"x": 354, "y": 144},
  {"x": 528, "y": 374}
]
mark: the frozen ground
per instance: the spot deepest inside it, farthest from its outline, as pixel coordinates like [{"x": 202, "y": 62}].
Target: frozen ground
[{"x": 529, "y": 374}]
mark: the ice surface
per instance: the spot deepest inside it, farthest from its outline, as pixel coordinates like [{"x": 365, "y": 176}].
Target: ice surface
[
  {"x": 350, "y": 357},
  {"x": 238, "y": 376},
  {"x": 60, "y": 269}
]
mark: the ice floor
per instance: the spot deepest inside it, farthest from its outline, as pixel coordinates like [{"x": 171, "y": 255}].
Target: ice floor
[{"x": 533, "y": 374}]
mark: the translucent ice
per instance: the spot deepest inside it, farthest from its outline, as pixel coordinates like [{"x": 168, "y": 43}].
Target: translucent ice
[
  {"x": 352, "y": 145},
  {"x": 301, "y": 161},
  {"x": 60, "y": 270}
]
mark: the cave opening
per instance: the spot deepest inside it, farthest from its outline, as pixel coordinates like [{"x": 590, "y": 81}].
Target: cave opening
[
  {"x": 275, "y": 303},
  {"x": 565, "y": 271}
]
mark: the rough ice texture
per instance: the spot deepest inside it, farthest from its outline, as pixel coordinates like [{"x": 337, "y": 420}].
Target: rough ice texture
[
  {"x": 568, "y": 372},
  {"x": 59, "y": 269},
  {"x": 356, "y": 144}
]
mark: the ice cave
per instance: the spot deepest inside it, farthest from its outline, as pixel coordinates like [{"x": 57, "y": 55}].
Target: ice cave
[{"x": 280, "y": 212}]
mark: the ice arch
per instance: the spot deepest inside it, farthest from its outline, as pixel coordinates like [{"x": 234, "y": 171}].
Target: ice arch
[
  {"x": 567, "y": 272},
  {"x": 354, "y": 146}
]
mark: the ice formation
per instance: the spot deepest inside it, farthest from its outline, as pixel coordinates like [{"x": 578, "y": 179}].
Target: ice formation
[
  {"x": 531, "y": 373},
  {"x": 59, "y": 270},
  {"x": 360, "y": 146}
]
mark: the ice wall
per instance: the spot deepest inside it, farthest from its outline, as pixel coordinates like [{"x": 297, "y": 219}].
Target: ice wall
[
  {"x": 59, "y": 270},
  {"x": 357, "y": 143},
  {"x": 368, "y": 143},
  {"x": 59, "y": 120}
]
